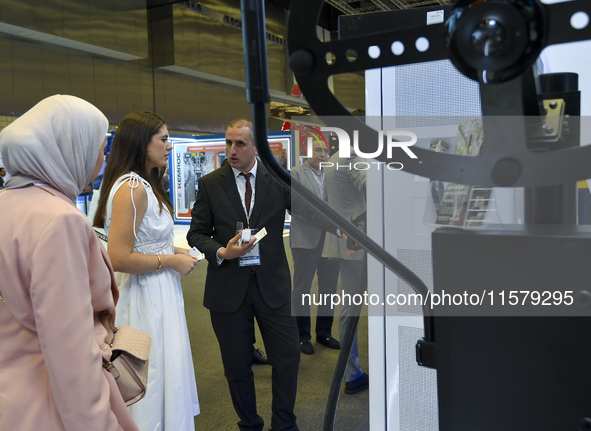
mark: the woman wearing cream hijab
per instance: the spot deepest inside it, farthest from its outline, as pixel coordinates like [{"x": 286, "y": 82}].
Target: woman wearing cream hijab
[{"x": 55, "y": 277}]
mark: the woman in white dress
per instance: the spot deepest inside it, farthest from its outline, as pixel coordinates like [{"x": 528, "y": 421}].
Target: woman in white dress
[{"x": 136, "y": 215}]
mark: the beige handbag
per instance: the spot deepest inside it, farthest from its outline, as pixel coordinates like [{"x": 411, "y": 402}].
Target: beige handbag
[{"x": 129, "y": 362}]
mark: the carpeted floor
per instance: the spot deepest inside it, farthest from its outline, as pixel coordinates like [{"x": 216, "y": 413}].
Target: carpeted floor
[{"x": 315, "y": 374}]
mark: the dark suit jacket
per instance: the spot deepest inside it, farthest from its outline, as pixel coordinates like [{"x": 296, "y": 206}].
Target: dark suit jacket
[{"x": 213, "y": 224}]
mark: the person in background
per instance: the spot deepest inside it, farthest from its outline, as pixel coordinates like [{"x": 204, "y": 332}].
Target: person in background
[
  {"x": 166, "y": 182},
  {"x": 307, "y": 242},
  {"x": 136, "y": 215},
  {"x": 345, "y": 192},
  {"x": 239, "y": 288},
  {"x": 2, "y": 177},
  {"x": 56, "y": 277}
]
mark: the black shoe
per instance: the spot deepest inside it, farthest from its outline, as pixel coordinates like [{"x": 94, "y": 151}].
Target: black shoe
[
  {"x": 357, "y": 385},
  {"x": 306, "y": 347},
  {"x": 258, "y": 357},
  {"x": 328, "y": 341}
]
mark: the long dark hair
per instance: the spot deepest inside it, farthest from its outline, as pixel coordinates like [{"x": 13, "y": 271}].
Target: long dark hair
[{"x": 129, "y": 154}]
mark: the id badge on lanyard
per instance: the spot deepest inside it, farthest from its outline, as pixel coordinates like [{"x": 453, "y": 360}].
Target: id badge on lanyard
[{"x": 253, "y": 257}]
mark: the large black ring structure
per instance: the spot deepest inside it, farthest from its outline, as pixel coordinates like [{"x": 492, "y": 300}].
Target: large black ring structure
[{"x": 507, "y": 162}]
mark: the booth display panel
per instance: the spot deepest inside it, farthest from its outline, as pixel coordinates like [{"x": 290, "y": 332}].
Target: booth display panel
[{"x": 194, "y": 157}]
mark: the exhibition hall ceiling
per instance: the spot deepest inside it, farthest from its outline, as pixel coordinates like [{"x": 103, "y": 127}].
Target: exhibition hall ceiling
[
  {"x": 284, "y": 111},
  {"x": 355, "y": 7},
  {"x": 351, "y": 7}
]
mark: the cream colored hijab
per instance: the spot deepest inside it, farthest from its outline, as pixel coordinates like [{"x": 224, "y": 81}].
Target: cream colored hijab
[{"x": 56, "y": 142}]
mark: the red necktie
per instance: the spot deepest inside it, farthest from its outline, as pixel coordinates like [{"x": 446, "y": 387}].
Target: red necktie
[{"x": 247, "y": 195}]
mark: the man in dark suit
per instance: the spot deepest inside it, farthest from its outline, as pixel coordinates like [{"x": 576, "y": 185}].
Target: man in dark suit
[{"x": 236, "y": 292}]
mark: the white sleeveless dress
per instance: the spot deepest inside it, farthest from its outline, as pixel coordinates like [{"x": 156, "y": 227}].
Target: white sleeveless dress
[{"x": 154, "y": 304}]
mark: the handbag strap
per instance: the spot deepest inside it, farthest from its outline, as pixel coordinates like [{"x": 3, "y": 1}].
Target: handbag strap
[
  {"x": 107, "y": 321},
  {"x": 101, "y": 236}
]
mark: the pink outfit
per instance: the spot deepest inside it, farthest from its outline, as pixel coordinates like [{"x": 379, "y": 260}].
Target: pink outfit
[{"x": 55, "y": 276}]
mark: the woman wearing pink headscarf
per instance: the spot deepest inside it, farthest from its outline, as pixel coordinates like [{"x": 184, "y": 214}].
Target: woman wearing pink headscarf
[{"x": 55, "y": 277}]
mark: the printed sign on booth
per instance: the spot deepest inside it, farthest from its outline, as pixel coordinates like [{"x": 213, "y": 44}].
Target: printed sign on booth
[{"x": 195, "y": 157}]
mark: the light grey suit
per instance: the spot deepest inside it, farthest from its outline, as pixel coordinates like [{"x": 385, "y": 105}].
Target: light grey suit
[
  {"x": 303, "y": 234},
  {"x": 307, "y": 241},
  {"x": 344, "y": 190}
]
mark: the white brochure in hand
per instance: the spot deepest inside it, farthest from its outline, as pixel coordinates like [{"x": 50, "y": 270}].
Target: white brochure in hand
[
  {"x": 253, "y": 257},
  {"x": 195, "y": 253},
  {"x": 260, "y": 235}
]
